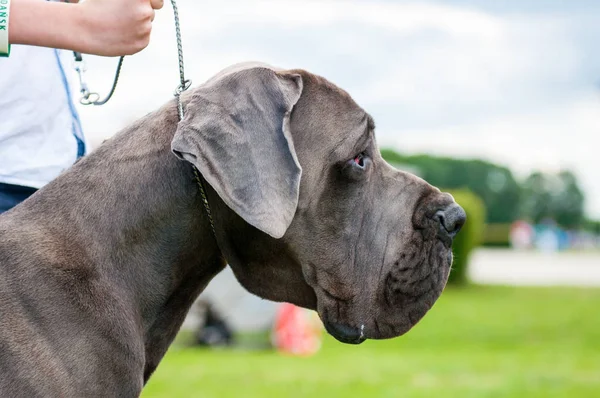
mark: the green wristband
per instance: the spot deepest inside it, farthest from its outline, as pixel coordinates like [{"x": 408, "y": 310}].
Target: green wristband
[
  {"x": 5, "y": 54},
  {"x": 4, "y": 16}
]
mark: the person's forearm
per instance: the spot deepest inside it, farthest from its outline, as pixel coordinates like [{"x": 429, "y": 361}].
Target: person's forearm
[
  {"x": 102, "y": 27},
  {"x": 47, "y": 24}
]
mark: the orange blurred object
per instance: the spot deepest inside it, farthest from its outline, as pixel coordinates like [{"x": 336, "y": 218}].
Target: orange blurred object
[{"x": 297, "y": 331}]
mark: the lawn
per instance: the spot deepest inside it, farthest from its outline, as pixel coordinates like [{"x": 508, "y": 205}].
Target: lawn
[{"x": 475, "y": 342}]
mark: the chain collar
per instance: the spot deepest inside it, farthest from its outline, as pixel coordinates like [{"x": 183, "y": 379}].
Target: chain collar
[{"x": 183, "y": 86}]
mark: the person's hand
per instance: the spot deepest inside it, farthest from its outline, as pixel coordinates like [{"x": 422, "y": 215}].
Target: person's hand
[
  {"x": 118, "y": 27},
  {"x": 100, "y": 27}
]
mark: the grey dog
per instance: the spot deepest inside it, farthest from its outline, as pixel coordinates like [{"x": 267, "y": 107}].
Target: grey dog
[{"x": 99, "y": 268}]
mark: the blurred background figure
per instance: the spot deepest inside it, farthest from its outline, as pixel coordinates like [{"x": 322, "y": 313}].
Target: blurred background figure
[
  {"x": 212, "y": 330},
  {"x": 497, "y": 102},
  {"x": 521, "y": 235},
  {"x": 225, "y": 313}
]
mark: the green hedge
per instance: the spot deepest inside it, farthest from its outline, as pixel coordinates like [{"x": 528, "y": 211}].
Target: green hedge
[
  {"x": 496, "y": 235},
  {"x": 469, "y": 237}
]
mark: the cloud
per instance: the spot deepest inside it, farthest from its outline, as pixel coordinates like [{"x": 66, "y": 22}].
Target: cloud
[
  {"x": 458, "y": 80},
  {"x": 404, "y": 18},
  {"x": 564, "y": 136}
]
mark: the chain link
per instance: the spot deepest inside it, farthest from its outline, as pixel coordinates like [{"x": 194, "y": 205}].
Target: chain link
[
  {"x": 183, "y": 86},
  {"x": 198, "y": 177},
  {"x": 90, "y": 97}
]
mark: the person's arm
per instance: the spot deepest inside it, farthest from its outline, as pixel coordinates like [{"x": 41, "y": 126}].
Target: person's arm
[{"x": 101, "y": 27}]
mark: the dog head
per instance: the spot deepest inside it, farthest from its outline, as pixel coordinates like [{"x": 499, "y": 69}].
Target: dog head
[{"x": 307, "y": 211}]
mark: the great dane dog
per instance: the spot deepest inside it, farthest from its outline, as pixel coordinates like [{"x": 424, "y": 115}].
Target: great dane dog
[{"x": 99, "y": 268}]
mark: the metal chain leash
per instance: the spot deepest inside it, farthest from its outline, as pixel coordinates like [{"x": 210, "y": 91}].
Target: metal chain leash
[
  {"x": 92, "y": 98},
  {"x": 183, "y": 86},
  {"x": 204, "y": 199},
  {"x": 89, "y": 97}
]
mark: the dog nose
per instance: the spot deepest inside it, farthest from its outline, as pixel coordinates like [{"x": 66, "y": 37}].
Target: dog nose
[{"x": 451, "y": 219}]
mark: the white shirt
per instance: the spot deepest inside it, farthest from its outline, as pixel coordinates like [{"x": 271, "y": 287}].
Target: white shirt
[{"x": 40, "y": 131}]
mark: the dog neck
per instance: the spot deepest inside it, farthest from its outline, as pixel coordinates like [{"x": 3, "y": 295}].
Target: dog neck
[{"x": 135, "y": 212}]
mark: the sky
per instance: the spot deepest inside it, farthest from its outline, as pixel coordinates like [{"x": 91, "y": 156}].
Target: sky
[{"x": 514, "y": 82}]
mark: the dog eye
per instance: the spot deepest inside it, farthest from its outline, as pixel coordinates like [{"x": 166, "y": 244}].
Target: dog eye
[
  {"x": 359, "y": 161},
  {"x": 356, "y": 168}
]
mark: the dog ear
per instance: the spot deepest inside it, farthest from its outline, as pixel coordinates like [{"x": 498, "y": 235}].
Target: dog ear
[{"x": 236, "y": 131}]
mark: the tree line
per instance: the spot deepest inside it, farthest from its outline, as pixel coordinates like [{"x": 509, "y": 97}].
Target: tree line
[{"x": 541, "y": 196}]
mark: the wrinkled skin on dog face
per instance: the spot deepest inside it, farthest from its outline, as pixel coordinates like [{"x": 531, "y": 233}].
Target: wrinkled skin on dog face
[{"x": 364, "y": 248}]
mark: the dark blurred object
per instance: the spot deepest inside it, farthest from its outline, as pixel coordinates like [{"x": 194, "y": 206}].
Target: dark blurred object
[
  {"x": 470, "y": 236},
  {"x": 247, "y": 318},
  {"x": 213, "y": 330}
]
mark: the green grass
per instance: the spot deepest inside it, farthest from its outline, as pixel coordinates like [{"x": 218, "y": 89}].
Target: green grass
[{"x": 475, "y": 342}]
